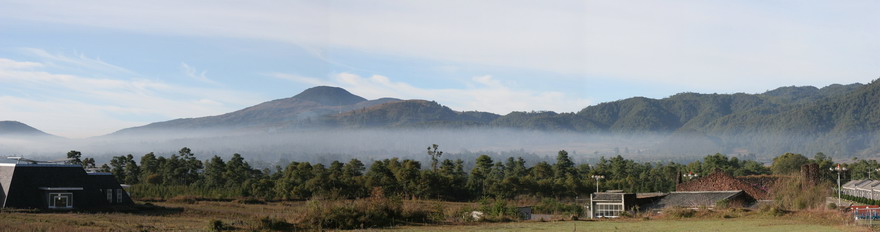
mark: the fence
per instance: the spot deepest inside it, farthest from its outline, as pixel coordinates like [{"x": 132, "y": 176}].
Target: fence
[{"x": 866, "y": 215}]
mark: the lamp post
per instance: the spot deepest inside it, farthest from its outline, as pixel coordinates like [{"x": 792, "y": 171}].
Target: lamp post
[
  {"x": 690, "y": 175},
  {"x": 838, "y": 169},
  {"x": 597, "y": 177}
]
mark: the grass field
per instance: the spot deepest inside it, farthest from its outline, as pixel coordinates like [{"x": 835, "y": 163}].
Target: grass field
[
  {"x": 738, "y": 224},
  {"x": 244, "y": 217}
]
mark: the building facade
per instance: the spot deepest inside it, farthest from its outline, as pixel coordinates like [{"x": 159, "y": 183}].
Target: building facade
[
  {"x": 862, "y": 188},
  {"x": 58, "y": 187},
  {"x": 611, "y": 204}
]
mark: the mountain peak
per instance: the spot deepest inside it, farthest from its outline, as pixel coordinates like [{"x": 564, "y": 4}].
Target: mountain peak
[
  {"x": 18, "y": 128},
  {"x": 328, "y": 95}
]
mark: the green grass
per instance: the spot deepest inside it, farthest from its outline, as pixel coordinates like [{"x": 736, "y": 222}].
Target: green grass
[{"x": 737, "y": 224}]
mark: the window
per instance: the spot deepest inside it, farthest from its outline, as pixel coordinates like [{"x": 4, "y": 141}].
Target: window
[
  {"x": 119, "y": 194},
  {"x": 60, "y": 200},
  {"x": 608, "y": 210},
  {"x": 109, "y": 195}
]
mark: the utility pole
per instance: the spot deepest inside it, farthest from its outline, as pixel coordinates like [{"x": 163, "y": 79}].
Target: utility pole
[
  {"x": 838, "y": 169},
  {"x": 597, "y": 177}
]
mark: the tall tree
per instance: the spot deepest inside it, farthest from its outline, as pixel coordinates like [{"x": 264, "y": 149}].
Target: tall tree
[
  {"x": 788, "y": 163},
  {"x": 215, "y": 169},
  {"x": 435, "y": 155},
  {"x": 74, "y": 157}
]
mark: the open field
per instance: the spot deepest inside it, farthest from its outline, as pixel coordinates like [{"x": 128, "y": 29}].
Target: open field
[
  {"x": 737, "y": 224},
  {"x": 245, "y": 217}
]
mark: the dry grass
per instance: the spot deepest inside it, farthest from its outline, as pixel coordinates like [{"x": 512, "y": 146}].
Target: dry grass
[{"x": 246, "y": 217}]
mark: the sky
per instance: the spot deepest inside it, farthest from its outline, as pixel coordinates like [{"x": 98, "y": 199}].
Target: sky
[{"x": 91, "y": 67}]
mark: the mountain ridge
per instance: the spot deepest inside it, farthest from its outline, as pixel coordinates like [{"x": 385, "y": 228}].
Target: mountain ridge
[{"x": 835, "y": 118}]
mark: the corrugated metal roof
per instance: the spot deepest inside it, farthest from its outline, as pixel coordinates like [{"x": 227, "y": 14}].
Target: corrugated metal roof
[
  {"x": 608, "y": 196},
  {"x": 695, "y": 199}
]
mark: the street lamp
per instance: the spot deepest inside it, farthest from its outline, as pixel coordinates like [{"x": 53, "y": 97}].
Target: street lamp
[
  {"x": 690, "y": 175},
  {"x": 838, "y": 169},
  {"x": 597, "y": 177}
]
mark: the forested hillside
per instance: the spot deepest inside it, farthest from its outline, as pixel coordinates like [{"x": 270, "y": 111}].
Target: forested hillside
[{"x": 841, "y": 120}]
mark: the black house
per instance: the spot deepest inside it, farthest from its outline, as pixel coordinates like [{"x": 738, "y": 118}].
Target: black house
[{"x": 58, "y": 186}]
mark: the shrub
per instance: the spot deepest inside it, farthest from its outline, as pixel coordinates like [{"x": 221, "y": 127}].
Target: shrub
[
  {"x": 216, "y": 225},
  {"x": 676, "y": 212},
  {"x": 250, "y": 201},
  {"x": 553, "y": 206},
  {"x": 722, "y": 204},
  {"x": 832, "y": 206},
  {"x": 271, "y": 223},
  {"x": 372, "y": 212},
  {"x": 498, "y": 210}
]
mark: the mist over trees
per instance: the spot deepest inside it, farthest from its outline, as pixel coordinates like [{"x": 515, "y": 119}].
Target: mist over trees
[
  {"x": 323, "y": 124},
  {"x": 180, "y": 174}
]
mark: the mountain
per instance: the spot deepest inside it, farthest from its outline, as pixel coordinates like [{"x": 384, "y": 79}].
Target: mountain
[
  {"x": 838, "y": 119},
  {"x": 309, "y": 105},
  {"x": 409, "y": 113},
  {"x": 15, "y": 128}
]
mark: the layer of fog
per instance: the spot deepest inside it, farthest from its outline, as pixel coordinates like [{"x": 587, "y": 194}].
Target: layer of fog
[{"x": 324, "y": 146}]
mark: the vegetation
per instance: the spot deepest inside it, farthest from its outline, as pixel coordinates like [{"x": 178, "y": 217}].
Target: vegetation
[
  {"x": 286, "y": 216},
  {"x": 183, "y": 176}
]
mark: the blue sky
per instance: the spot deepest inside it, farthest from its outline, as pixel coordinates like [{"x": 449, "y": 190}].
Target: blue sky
[{"x": 88, "y": 68}]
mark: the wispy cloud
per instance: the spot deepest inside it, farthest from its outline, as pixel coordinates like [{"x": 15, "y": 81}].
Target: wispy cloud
[
  {"x": 484, "y": 93},
  {"x": 80, "y": 61},
  {"x": 82, "y": 106},
  {"x": 191, "y": 72},
  {"x": 748, "y": 45}
]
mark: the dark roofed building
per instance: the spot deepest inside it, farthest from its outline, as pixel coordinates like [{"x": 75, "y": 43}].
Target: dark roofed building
[
  {"x": 757, "y": 187},
  {"x": 58, "y": 186},
  {"x": 700, "y": 199}
]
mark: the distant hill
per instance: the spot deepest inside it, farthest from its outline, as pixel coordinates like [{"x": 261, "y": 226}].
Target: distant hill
[
  {"x": 15, "y": 128},
  {"x": 836, "y": 119},
  {"x": 309, "y": 105},
  {"x": 409, "y": 113}
]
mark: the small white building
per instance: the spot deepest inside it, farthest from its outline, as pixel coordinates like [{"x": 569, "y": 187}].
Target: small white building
[{"x": 611, "y": 204}]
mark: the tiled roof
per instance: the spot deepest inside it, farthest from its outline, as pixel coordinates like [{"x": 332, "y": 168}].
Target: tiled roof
[{"x": 693, "y": 199}]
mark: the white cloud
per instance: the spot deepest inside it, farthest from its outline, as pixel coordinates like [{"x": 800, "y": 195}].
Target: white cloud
[
  {"x": 80, "y": 61},
  {"x": 743, "y": 45},
  {"x": 485, "y": 93},
  {"x": 11, "y": 64},
  {"x": 82, "y": 106},
  {"x": 193, "y": 73}
]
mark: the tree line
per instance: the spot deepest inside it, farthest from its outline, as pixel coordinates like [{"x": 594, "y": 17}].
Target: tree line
[{"x": 183, "y": 174}]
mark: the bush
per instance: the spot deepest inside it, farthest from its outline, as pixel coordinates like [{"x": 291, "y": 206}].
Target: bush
[
  {"x": 271, "y": 223},
  {"x": 676, "y": 212},
  {"x": 372, "y": 212},
  {"x": 722, "y": 204},
  {"x": 832, "y": 206},
  {"x": 250, "y": 201},
  {"x": 773, "y": 211},
  {"x": 553, "y": 206},
  {"x": 498, "y": 210},
  {"x": 216, "y": 225}
]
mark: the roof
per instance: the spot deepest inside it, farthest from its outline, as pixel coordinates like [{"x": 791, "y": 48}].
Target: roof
[
  {"x": 39, "y": 165},
  {"x": 606, "y": 196},
  {"x": 693, "y": 199},
  {"x": 650, "y": 195},
  {"x": 863, "y": 184}
]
